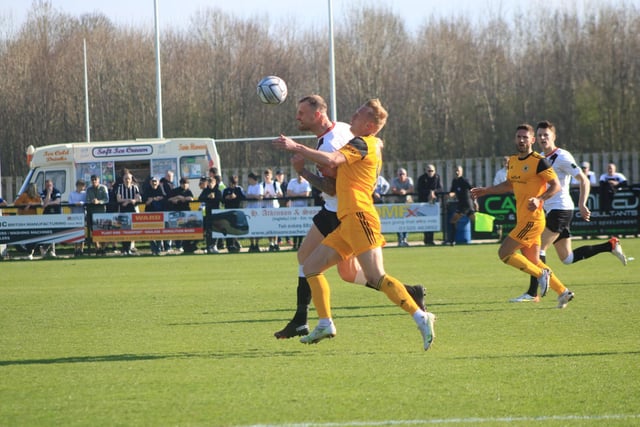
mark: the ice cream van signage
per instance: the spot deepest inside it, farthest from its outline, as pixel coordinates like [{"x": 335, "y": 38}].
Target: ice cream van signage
[
  {"x": 56, "y": 155},
  {"x": 135, "y": 150},
  {"x": 192, "y": 147}
]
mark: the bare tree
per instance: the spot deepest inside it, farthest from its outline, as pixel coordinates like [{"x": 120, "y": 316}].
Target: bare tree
[{"x": 454, "y": 89}]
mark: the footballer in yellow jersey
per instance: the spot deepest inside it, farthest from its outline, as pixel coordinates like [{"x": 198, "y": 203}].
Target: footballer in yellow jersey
[
  {"x": 528, "y": 178},
  {"x": 532, "y": 181},
  {"x": 356, "y": 178},
  {"x": 357, "y": 165},
  {"x": 360, "y": 228}
]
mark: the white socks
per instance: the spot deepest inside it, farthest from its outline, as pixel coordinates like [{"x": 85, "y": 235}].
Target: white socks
[{"x": 418, "y": 316}]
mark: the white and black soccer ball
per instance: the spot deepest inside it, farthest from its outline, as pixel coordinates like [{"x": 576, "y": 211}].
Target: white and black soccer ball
[{"x": 272, "y": 90}]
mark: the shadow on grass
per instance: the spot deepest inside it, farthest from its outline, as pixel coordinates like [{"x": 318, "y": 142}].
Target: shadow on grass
[
  {"x": 250, "y": 321},
  {"x": 550, "y": 355},
  {"x": 344, "y": 307},
  {"x": 250, "y": 354},
  {"x": 255, "y": 354},
  {"x": 340, "y": 312}
]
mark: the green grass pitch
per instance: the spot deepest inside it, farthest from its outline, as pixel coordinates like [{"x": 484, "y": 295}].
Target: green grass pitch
[{"x": 188, "y": 341}]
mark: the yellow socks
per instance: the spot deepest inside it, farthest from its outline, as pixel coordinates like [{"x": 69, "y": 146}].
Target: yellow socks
[
  {"x": 397, "y": 293},
  {"x": 521, "y": 262},
  {"x": 320, "y": 295},
  {"x": 554, "y": 282}
]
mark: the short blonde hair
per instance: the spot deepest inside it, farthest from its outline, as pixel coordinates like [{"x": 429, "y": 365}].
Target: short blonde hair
[{"x": 378, "y": 112}]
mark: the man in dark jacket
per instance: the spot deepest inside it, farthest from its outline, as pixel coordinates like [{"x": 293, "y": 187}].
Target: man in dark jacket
[{"x": 429, "y": 186}]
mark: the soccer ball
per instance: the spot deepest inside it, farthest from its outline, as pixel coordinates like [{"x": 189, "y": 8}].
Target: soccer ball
[{"x": 272, "y": 90}]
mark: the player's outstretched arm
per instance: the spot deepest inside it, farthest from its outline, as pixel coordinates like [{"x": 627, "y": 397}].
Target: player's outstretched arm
[
  {"x": 332, "y": 160},
  {"x": 503, "y": 187},
  {"x": 324, "y": 183}
]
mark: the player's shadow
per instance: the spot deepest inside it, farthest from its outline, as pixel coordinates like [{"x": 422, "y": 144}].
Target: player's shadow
[
  {"x": 336, "y": 315},
  {"x": 549, "y": 355},
  {"x": 349, "y": 312},
  {"x": 249, "y": 354}
]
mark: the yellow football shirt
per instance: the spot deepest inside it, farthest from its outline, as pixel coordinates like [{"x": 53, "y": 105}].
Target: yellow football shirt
[
  {"x": 529, "y": 177},
  {"x": 356, "y": 179}
]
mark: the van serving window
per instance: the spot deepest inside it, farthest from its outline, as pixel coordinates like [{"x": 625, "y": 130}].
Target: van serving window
[{"x": 194, "y": 167}]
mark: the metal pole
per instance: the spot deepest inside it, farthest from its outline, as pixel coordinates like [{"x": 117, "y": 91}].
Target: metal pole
[
  {"x": 3, "y": 247},
  {"x": 86, "y": 91},
  {"x": 158, "y": 74},
  {"x": 332, "y": 67}
]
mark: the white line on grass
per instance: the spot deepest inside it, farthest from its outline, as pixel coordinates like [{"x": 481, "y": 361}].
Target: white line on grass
[{"x": 505, "y": 420}]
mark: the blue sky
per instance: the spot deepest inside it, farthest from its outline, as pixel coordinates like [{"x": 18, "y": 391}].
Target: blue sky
[{"x": 178, "y": 12}]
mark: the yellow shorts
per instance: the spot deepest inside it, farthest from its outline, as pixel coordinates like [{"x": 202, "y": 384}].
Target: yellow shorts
[
  {"x": 528, "y": 233},
  {"x": 357, "y": 233}
]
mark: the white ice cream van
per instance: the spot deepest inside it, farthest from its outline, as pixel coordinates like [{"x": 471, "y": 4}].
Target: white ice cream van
[{"x": 67, "y": 162}]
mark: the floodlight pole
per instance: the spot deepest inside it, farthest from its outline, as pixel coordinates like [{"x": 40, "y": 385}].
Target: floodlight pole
[
  {"x": 3, "y": 247},
  {"x": 332, "y": 67},
  {"x": 86, "y": 91},
  {"x": 158, "y": 74}
]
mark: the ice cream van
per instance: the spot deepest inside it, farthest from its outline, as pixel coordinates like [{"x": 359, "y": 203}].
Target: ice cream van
[{"x": 65, "y": 163}]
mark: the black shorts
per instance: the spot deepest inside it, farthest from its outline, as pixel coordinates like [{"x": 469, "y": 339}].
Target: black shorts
[
  {"x": 326, "y": 221},
  {"x": 559, "y": 221}
]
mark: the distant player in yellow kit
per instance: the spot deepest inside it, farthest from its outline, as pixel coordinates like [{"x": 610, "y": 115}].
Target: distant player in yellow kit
[
  {"x": 532, "y": 180},
  {"x": 359, "y": 233}
]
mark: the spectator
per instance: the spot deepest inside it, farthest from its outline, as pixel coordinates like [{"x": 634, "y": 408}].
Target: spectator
[
  {"x": 3, "y": 203},
  {"x": 591, "y": 175},
  {"x": 299, "y": 190},
  {"x": 254, "y": 195},
  {"x": 179, "y": 200},
  {"x": 213, "y": 173},
  {"x": 232, "y": 197},
  {"x": 460, "y": 189},
  {"x": 77, "y": 201},
  {"x": 168, "y": 184},
  {"x": 282, "y": 180},
  {"x": 429, "y": 185},
  {"x": 211, "y": 197},
  {"x": 112, "y": 207},
  {"x": 128, "y": 195},
  {"x": 120, "y": 178},
  {"x": 610, "y": 184},
  {"x": 501, "y": 174},
  {"x": 97, "y": 197},
  {"x": 202, "y": 185},
  {"x": 382, "y": 188},
  {"x": 271, "y": 193},
  {"x": 402, "y": 187},
  {"x": 27, "y": 203},
  {"x": 155, "y": 200},
  {"x": 51, "y": 203}
]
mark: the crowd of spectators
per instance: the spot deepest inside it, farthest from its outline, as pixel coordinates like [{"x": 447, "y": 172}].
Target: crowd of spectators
[{"x": 157, "y": 194}]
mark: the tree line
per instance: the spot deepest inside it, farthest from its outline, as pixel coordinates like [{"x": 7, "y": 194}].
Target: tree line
[{"x": 454, "y": 88}]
